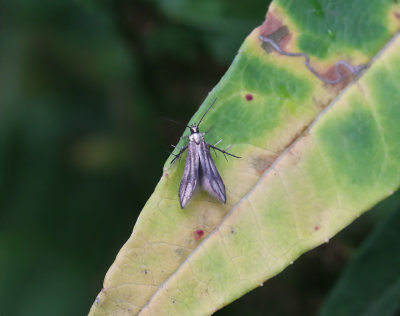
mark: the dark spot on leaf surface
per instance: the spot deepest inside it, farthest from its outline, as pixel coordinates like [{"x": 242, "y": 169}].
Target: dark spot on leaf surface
[
  {"x": 249, "y": 97},
  {"x": 198, "y": 233},
  {"x": 263, "y": 162},
  {"x": 280, "y": 37},
  {"x": 179, "y": 251},
  {"x": 344, "y": 72},
  {"x": 273, "y": 28}
]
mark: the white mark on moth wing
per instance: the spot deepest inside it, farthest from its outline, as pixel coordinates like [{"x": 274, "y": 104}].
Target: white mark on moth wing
[{"x": 189, "y": 187}]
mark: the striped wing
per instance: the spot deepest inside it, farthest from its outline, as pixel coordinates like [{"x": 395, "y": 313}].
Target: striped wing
[
  {"x": 190, "y": 175},
  {"x": 210, "y": 179}
]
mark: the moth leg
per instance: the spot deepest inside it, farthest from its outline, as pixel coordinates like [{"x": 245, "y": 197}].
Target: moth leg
[
  {"x": 176, "y": 147},
  {"x": 215, "y": 145},
  {"x": 179, "y": 154},
  {"x": 222, "y": 151}
]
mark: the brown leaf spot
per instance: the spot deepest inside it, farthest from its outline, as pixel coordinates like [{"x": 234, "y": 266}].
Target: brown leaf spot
[
  {"x": 263, "y": 162},
  {"x": 316, "y": 228},
  {"x": 331, "y": 74},
  {"x": 273, "y": 28},
  {"x": 397, "y": 15},
  {"x": 179, "y": 251},
  {"x": 271, "y": 24}
]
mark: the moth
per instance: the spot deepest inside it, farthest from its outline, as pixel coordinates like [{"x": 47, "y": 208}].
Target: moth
[{"x": 199, "y": 168}]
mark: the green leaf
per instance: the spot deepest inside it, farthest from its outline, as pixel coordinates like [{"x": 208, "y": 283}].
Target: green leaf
[
  {"x": 315, "y": 156},
  {"x": 370, "y": 285}
]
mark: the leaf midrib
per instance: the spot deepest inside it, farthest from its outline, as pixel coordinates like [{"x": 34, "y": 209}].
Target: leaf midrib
[{"x": 275, "y": 162}]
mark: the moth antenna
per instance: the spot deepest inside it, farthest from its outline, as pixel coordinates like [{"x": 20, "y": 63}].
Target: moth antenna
[
  {"x": 173, "y": 121},
  {"x": 198, "y": 124}
]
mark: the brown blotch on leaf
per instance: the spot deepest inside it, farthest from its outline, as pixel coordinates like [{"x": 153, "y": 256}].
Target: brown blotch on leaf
[
  {"x": 263, "y": 162},
  {"x": 280, "y": 37},
  {"x": 179, "y": 251},
  {"x": 344, "y": 72},
  {"x": 397, "y": 15},
  {"x": 271, "y": 23},
  {"x": 316, "y": 228},
  {"x": 198, "y": 233},
  {"x": 273, "y": 28}
]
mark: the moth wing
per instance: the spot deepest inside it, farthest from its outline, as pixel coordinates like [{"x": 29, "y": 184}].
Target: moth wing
[
  {"x": 190, "y": 175},
  {"x": 210, "y": 179}
]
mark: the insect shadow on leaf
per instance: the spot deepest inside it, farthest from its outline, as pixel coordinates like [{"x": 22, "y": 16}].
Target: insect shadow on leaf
[{"x": 199, "y": 166}]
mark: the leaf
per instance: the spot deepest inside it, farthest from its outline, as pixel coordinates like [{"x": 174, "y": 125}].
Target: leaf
[
  {"x": 370, "y": 285},
  {"x": 315, "y": 156}
]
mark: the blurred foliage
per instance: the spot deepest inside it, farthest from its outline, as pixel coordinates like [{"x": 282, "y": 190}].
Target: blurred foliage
[
  {"x": 85, "y": 88},
  {"x": 370, "y": 284}
]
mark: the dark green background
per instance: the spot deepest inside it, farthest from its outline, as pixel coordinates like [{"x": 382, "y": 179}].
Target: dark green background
[{"x": 86, "y": 88}]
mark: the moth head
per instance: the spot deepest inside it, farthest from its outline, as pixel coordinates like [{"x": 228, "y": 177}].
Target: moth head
[{"x": 194, "y": 129}]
